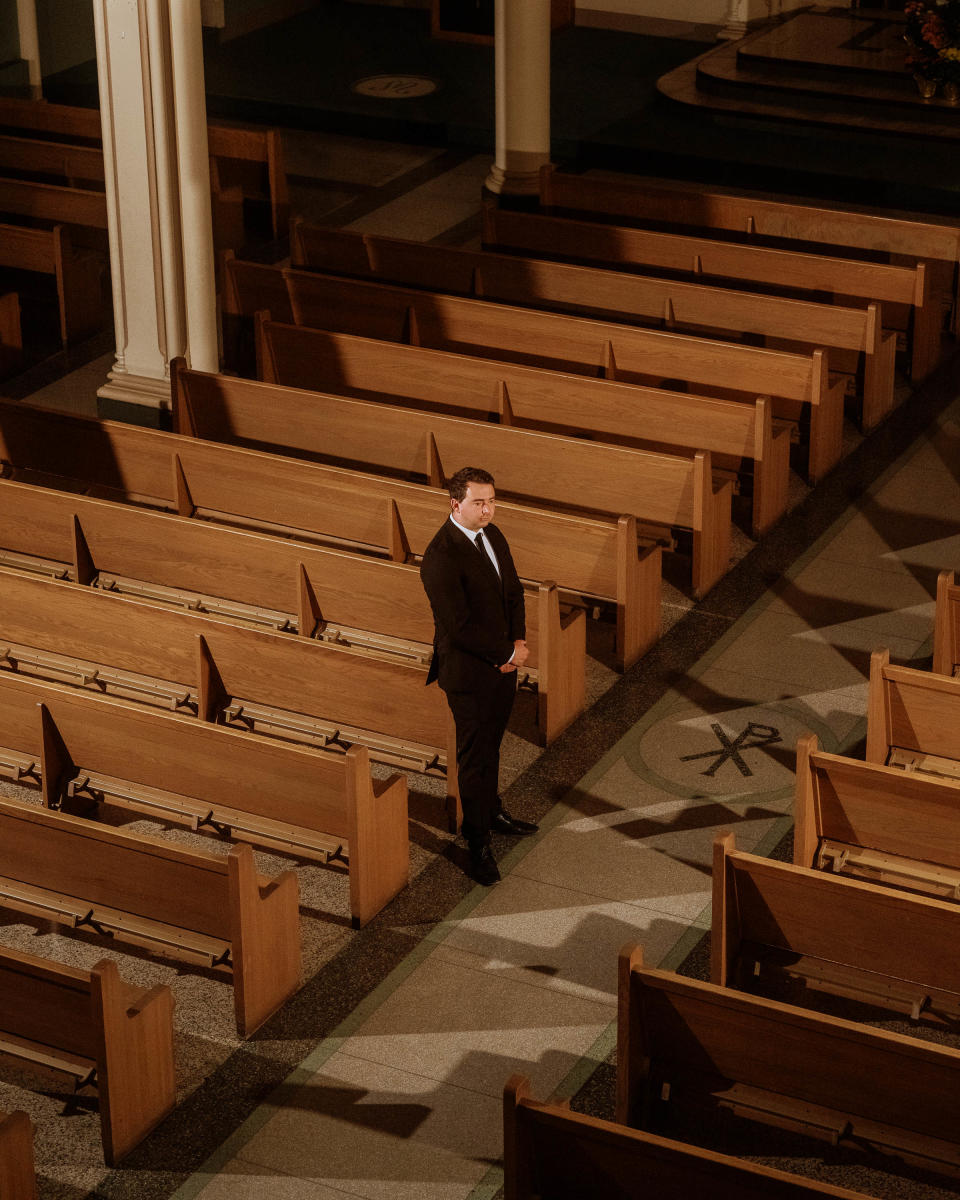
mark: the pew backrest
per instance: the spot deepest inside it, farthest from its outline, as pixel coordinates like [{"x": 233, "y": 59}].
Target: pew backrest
[
  {"x": 552, "y": 1153},
  {"x": 696, "y": 207},
  {"x": 256, "y": 789},
  {"x": 50, "y": 202},
  {"x": 908, "y": 822},
  {"x": 912, "y": 713},
  {"x": 680, "y": 1036},
  {"x": 189, "y": 902},
  {"x": 595, "y": 557},
  {"x": 884, "y": 945}
]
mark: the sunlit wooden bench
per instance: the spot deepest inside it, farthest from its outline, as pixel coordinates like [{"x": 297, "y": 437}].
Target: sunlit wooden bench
[
  {"x": 586, "y": 285},
  {"x": 834, "y": 933},
  {"x": 661, "y": 490},
  {"x": 185, "y": 903},
  {"x": 552, "y": 1153},
  {"x": 799, "y": 384},
  {"x": 913, "y": 719},
  {"x": 593, "y": 558},
  {"x": 693, "y": 1048},
  {"x": 297, "y": 689},
  {"x": 88, "y": 749},
  {"x": 877, "y": 822},
  {"x": 849, "y": 230},
  {"x": 92, "y": 1028},
  {"x": 737, "y": 435}
]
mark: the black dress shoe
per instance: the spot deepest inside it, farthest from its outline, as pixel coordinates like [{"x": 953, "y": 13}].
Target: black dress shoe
[
  {"x": 503, "y": 823},
  {"x": 483, "y": 866}
]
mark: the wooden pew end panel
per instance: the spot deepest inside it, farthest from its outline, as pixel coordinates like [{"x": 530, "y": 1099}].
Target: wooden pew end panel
[
  {"x": 379, "y": 838},
  {"x": 135, "y": 1058},
  {"x": 265, "y": 939}
]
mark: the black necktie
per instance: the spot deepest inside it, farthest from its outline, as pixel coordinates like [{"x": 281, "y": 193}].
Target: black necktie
[{"x": 482, "y": 547}]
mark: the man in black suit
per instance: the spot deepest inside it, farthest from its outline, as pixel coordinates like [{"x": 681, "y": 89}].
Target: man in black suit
[{"x": 478, "y": 612}]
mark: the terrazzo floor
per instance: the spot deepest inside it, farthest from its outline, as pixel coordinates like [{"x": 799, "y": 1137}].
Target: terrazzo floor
[{"x": 382, "y": 1078}]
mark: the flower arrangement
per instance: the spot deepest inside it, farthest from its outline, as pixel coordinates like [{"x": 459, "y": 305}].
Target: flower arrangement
[{"x": 933, "y": 39}]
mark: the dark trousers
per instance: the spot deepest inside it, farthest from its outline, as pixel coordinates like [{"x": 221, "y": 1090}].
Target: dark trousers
[{"x": 481, "y": 717}]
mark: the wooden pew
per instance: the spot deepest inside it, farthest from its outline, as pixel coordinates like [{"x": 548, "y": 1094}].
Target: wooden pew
[
  {"x": 913, "y": 719},
  {"x": 851, "y": 231},
  {"x": 251, "y": 159},
  {"x": 341, "y": 599},
  {"x": 79, "y": 274},
  {"x": 79, "y": 207},
  {"x": 11, "y": 337},
  {"x": 189, "y": 903},
  {"x": 18, "y": 1179},
  {"x": 302, "y": 801},
  {"x": 40, "y": 116},
  {"x": 551, "y": 1153},
  {"x": 660, "y": 490},
  {"x": 902, "y": 293},
  {"x": 705, "y": 1049},
  {"x": 946, "y": 628},
  {"x": 93, "y": 1028},
  {"x": 64, "y": 160},
  {"x": 295, "y": 688},
  {"x": 798, "y": 382},
  {"x": 554, "y": 401},
  {"x": 781, "y": 322},
  {"x": 594, "y": 558},
  {"x": 877, "y": 822},
  {"x": 836, "y": 934}
]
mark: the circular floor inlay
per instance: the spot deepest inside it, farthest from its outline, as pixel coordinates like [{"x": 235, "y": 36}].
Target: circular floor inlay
[{"x": 394, "y": 87}]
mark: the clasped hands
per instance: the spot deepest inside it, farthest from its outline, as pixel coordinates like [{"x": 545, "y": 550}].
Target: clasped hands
[{"x": 520, "y": 655}]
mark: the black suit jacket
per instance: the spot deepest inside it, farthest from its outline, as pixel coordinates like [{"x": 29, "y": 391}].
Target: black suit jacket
[{"x": 477, "y": 615}]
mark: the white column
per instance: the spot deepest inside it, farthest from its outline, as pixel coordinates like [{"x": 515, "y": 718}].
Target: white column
[
  {"x": 738, "y": 16},
  {"x": 161, "y": 240},
  {"x": 522, "y": 76},
  {"x": 194, "y": 163},
  {"x": 30, "y": 43}
]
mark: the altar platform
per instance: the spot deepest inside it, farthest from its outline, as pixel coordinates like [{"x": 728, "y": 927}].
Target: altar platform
[{"x": 821, "y": 66}]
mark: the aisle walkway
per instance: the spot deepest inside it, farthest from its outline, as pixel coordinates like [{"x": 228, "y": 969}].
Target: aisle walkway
[{"x": 404, "y": 1099}]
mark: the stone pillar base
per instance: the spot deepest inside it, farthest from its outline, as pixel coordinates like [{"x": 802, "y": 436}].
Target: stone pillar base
[
  {"x": 135, "y": 398},
  {"x": 512, "y": 183},
  {"x": 733, "y": 31}
]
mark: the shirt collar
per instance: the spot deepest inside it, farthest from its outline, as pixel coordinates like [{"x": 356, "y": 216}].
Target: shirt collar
[{"x": 470, "y": 533}]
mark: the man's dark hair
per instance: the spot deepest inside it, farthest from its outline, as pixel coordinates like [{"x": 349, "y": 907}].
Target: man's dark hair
[{"x": 457, "y": 484}]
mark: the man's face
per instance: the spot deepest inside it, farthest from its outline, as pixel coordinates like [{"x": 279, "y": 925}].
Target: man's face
[{"x": 475, "y": 510}]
